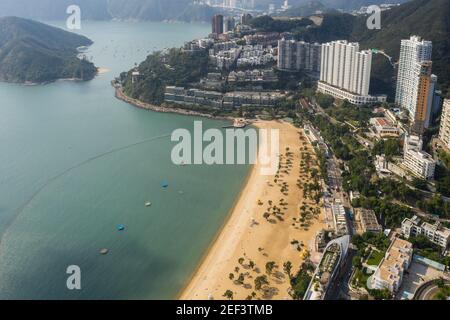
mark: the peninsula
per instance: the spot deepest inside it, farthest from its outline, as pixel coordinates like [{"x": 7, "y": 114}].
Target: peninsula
[{"x": 32, "y": 52}]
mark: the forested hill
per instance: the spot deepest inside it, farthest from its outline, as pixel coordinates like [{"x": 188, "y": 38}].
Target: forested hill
[
  {"x": 34, "y": 52},
  {"x": 155, "y": 10}
]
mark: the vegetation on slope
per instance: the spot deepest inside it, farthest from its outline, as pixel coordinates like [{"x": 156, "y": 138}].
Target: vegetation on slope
[
  {"x": 160, "y": 69},
  {"x": 268, "y": 24},
  {"x": 34, "y": 52}
]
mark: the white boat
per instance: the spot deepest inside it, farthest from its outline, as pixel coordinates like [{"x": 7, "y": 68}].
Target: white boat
[{"x": 148, "y": 204}]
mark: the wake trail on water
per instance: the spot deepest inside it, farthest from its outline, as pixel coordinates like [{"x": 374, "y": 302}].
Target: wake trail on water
[{"x": 61, "y": 174}]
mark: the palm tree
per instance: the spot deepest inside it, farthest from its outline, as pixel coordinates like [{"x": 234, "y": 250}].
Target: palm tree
[
  {"x": 260, "y": 281},
  {"x": 287, "y": 267},
  {"x": 241, "y": 279},
  {"x": 306, "y": 255},
  {"x": 228, "y": 294},
  {"x": 269, "y": 267}
]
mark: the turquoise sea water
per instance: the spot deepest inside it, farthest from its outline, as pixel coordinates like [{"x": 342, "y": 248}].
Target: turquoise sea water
[{"x": 66, "y": 182}]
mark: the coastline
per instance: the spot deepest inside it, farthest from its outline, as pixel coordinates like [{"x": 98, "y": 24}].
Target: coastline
[
  {"x": 209, "y": 249},
  {"x": 119, "y": 94},
  {"x": 233, "y": 250},
  {"x": 241, "y": 238}
]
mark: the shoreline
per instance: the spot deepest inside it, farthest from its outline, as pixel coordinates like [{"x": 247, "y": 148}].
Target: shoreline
[
  {"x": 119, "y": 94},
  {"x": 217, "y": 234},
  {"x": 238, "y": 236}
]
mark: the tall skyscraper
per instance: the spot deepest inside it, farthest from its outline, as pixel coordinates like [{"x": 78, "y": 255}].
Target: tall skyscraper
[
  {"x": 217, "y": 24},
  {"x": 425, "y": 95},
  {"x": 345, "y": 72},
  {"x": 444, "y": 131},
  {"x": 415, "y": 82},
  {"x": 230, "y": 23},
  {"x": 298, "y": 55},
  {"x": 245, "y": 18}
]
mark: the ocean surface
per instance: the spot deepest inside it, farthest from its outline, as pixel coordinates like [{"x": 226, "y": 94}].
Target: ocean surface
[{"x": 75, "y": 163}]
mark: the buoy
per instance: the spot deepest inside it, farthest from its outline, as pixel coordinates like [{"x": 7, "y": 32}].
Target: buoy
[{"x": 120, "y": 227}]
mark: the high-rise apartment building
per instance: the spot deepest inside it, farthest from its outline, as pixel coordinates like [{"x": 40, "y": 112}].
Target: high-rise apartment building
[
  {"x": 415, "y": 82},
  {"x": 345, "y": 72},
  {"x": 229, "y": 24},
  {"x": 444, "y": 131},
  {"x": 217, "y": 24},
  {"x": 298, "y": 55},
  {"x": 245, "y": 18}
]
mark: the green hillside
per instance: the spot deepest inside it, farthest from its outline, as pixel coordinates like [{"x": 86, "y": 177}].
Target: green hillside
[{"x": 34, "y": 52}]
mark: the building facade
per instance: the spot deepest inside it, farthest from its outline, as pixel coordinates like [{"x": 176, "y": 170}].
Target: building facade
[
  {"x": 420, "y": 163},
  {"x": 436, "y": 233},
  {"x": 245, "y": 18},
  {"x": 218, "y": 100},
  {"x": 339, "y": 219},
  {"x": 444, "y": 130},
  {"x": 368, "y": 219},
  {"x": 415, "y": 83},
  {"x": 217, "y": 24},
  {"x": 298, "y": 55},
  {"x": 389, "y": 274},
  {"x": 229, "y": 24},
  {"x": 345, "y": 72}
]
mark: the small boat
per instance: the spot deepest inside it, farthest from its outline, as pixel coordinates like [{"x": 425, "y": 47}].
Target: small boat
[
  {"x": 148, "y": 204},
  {"x": 165, "y": 184},
  {"x": 120, "y": 227},
  {"x": 104, "y": 251}
]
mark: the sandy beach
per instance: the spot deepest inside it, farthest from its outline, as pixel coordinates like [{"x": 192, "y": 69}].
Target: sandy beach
[{"x": 250, "y": 238}]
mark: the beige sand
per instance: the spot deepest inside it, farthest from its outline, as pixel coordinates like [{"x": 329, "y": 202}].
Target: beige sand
[
  {"x": 102, "y": 70},
  {"x": 240, "y": 238}
]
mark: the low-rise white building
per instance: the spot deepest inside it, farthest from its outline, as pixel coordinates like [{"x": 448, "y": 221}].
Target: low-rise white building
[
  {"x": 420, "y": 163},
  {"x": 384, "y": 128},
  {"x": 340, "y": 221},
  {"x": 412, "y": 142},
  {"x": 389, "y": 274},
  {"x": 353, "y": 98},
  {"x": 436, "y": 233}
]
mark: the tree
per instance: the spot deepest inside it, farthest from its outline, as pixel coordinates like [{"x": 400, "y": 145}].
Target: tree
[
  {"x": 241, "y": 260},
  {"x": 269, "y": 267},
  {"x": 231, "y": 276},
  {"x": 420, "y": 184},
  {"x": 306, "y": 255},
  {"x": 356, "y": 261},
  {"x": 260, "y": 282},
  {"x": 383, "y": 294},
  {"x": 287, "y": 267},
  {"x": 228, "y": 294},
  {"x": 241, "y": 279}
]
